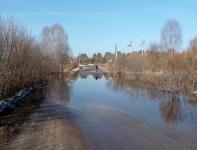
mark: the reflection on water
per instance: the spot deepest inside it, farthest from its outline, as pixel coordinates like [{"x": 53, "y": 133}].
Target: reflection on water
[
  {"x": 58, "y": 90},
  {"x": 171, "y": 108},
  {"x": 96, "y": 112},
  {"x": 84, "y": 75}
]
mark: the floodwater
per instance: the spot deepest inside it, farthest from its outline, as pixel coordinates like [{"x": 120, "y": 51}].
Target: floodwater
[{"x": 100, "y": 113}]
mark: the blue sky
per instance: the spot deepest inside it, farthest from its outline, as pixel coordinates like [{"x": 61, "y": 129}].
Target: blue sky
[{"x": 96, "y": 25}]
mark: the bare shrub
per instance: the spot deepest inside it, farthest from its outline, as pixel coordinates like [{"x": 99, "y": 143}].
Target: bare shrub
[{"x": 23, "y": 60}]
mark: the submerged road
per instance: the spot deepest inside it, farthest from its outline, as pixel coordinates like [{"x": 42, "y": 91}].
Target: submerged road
[
  {"x": 94, "y": 129},
  {"x": 56, "y": 123}
]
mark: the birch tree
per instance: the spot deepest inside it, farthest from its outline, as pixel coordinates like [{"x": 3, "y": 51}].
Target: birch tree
[{"x": 171, "y": 36}]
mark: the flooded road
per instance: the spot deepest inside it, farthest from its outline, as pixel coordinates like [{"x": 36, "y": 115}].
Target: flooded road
[{"x": 99, "y": 113}]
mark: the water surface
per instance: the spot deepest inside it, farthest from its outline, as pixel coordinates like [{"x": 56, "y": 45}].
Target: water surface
[{"x": 96, "y": 112}]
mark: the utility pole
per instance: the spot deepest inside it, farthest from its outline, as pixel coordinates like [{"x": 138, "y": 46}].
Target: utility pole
[
  {"x": 116, "y": 52},
  {"x": 130, "y": 45},
  {"x": 142, "y": 49},
  {"x": 115, "y": 56},
  {"x": 79, "y": 58}
]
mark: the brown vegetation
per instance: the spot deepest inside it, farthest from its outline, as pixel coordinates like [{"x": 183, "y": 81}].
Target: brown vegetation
[
  {"x": 176, "y": 72},
  {"x": 161, "y": 65},
  {"x": 25, "y": 61}
]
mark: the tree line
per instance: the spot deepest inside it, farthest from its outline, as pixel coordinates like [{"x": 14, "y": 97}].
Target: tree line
[
  {"x": 25, "y": 60},
  {"x": 83, "y": 58}
]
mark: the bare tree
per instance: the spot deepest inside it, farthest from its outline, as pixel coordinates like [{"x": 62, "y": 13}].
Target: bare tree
[
  {"x": 22, "y": 60},
  {"x": 193, "y": 52},
  {"x": 193, "y": 45},
  {"x": 171, "y": 36},
  {"x": 55, "y": 42},
  {"x": 154, "y": 47}
]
